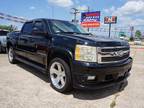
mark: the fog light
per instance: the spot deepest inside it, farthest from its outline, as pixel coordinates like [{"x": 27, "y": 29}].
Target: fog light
[{"x": 91, "y": 77}]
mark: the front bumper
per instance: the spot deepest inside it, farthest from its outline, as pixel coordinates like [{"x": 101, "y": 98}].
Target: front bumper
[{"x": 105, "y": 74}]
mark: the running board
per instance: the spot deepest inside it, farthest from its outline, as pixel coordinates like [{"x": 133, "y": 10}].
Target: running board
[{"x": 43, "y": 70}]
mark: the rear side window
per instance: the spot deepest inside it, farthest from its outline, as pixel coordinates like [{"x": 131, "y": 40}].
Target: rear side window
[
  {"x": 27, "y": 29},
  {"x": 39, "y": 25}
]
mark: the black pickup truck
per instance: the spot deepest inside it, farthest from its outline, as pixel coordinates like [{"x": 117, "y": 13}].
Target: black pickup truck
[{"x": 71, "y": 57}]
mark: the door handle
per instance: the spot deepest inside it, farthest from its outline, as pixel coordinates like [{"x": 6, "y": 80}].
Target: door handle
[
  {"x": 31, "y": 40},
  {"x": 36, "y": 46},
  {"x": 24, "y": 39}
]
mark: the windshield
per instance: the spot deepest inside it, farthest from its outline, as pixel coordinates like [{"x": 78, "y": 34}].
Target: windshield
[{"x": 66, "y": 27}]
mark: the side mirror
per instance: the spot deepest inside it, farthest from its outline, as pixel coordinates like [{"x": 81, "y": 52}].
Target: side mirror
[{"x": 37, "y": 31}]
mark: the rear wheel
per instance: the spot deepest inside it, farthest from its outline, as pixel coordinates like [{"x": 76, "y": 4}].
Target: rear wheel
[
  {"x": 60, "y": 76},
  {"x": 0, "y": 48},
  {"x": 4, "y": 49},
  {"x": 11, "y": 56}
]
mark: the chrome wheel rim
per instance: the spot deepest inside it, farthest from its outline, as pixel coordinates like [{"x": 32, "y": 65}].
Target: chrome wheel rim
[
  {"x": 10, "y": 54},
  {"x": 57, "y": 75}
]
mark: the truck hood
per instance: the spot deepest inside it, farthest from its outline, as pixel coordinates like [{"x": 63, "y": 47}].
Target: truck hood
[{"x": 99, "y": 40}]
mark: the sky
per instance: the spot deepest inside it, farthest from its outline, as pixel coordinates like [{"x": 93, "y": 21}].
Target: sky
[{"x": 129, "y": 12}]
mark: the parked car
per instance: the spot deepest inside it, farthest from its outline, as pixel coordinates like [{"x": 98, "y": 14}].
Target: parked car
[
  {"x": 137, "y": 42},
  {"x": 3, "y": 43},
  {"x": 72, "y": 57}
]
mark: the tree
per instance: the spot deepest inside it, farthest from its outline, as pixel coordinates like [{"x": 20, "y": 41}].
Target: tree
[
  {"x": 13, "y": 28},
  {"x": 131, "y": 39},
  {"x": 8, "y": 27},
  {"x": 138, "y": 34}
]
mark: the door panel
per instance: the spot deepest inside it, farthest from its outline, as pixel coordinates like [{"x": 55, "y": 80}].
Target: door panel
[
  {"x": 22, "y": 45},
  {"x": 32, "y": 46},
  {"x": 38, "y": 46},
  {"x": 23, "y": 39}
]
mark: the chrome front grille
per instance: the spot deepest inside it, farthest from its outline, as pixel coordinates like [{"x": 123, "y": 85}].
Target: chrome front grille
[{"x": 113, "y": 54}]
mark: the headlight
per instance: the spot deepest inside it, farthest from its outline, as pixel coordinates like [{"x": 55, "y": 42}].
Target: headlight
[{"x": 85, "y": 53}]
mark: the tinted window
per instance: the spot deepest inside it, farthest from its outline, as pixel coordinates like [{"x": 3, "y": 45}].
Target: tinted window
[
  {"x": 39, "y": 25},
  {"x": 27, "y": 29},
  {"x": 3, "y": 33}
]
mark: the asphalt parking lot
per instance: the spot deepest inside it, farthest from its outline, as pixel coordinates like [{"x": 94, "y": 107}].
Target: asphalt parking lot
[{"x": 24, "y": 87}]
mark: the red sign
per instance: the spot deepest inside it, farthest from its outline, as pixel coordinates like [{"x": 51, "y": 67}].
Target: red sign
[
  {"x": 90, "y": 19},
  {"x": 110, "y": 20}
]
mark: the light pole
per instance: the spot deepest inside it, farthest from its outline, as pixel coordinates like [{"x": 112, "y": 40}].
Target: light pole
[
  {"x": 75, "y": 12},
  {"x": 88, "y": 10},
  {"x": 115, "y": 31}
]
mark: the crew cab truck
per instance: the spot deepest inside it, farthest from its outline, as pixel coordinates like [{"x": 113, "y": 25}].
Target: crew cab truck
[{"x": 71, "y": 57}]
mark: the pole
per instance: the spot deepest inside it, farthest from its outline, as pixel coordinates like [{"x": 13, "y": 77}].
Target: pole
[
  {"x": 132, "y": 29},
  {"x": 109, "y": 30},
  {"x": 88, "y": 11},
  {"x": 75, "y": 14},
  {"x": 52, "y": 12},
  {"x": 115, "y": 31}
]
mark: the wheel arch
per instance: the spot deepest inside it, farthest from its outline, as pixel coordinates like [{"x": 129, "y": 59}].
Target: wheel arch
[
  {"x": 9, "y": 44},
  {"x": 62, "y": 53}
]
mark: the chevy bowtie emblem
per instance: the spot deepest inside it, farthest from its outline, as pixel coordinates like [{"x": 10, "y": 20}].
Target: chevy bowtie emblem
[{"x": 118, "y": 53}]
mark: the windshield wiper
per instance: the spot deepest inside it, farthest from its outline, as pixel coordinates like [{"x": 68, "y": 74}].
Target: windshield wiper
[
  {"x": 87, "y": 33},
  {"x": 65, "y": 32},
  {"x": 70, "y": 32}
]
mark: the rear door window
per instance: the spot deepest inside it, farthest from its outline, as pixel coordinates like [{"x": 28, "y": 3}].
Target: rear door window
[
  {"x": 39, "y": 25},
  {"x": 27, "y": 29}
]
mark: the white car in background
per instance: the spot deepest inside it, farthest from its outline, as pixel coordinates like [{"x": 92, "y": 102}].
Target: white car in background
[
  {"x": 3, "y": 36},
  {"x": 137, "y": 42}
]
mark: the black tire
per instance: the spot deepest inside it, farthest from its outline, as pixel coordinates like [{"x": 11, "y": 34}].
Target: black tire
[
  {"x": 4, "y": 50},
  {"x": 11, "y": 55},
  {"x": 0, "y": 48},
  {"x": 68, "y": 81}
]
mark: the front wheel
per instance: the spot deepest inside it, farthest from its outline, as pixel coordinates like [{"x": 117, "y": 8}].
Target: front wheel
[
  {"x": 60, "y": 76},
  {"x": 11, "y": 56}
]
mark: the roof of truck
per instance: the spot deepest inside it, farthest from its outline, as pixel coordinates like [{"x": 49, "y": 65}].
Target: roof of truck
[{"x": 44, "y": 19}]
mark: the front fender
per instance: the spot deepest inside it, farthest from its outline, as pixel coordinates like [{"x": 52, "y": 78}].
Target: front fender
[{"x": 63, "y": 53}]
